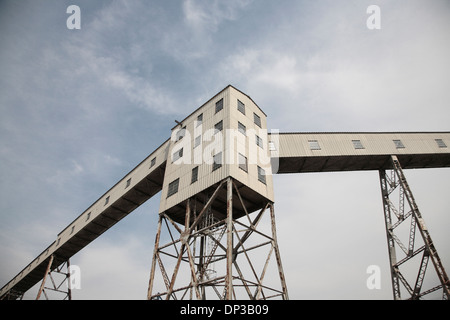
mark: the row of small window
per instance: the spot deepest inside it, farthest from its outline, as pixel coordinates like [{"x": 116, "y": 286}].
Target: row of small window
[
  {"x": 314, "y": 144},
  {"x": 243, "y": 164},
  {"x": 241, "y": 108},
  {"x": 127, "y": 184},
  {"x": 219, "y": 107},
  {"x": 217, "y": 163},
  {"x": 242, "y": 129},
  {"x": 218, "y": 127}
]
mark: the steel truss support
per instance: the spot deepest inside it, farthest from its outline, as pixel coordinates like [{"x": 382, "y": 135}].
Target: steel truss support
[
  {"x": 403, "y": 219},
  {"x": 13, "y": 295},
  {"x": 58, "y": 276},
  {"x": 214, "y": 258}
]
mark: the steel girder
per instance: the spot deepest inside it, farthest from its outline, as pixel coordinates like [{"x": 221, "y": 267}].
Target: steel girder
[
  {"x": 217, "y": 258},
  {"x": 403, "y": 219},
  {"x": 58, "y": 277}
]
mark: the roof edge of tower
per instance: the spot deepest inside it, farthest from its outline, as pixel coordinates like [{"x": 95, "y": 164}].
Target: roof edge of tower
[{"x": 209, "y": 100}]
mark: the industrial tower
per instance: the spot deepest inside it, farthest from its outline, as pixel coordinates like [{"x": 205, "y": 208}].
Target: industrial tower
[
  {"x": 216, "y": 236},
  {"x": 218, "y": 172}
]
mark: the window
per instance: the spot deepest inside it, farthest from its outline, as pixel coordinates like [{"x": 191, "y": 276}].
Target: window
[
  {"x": 217, "y": 161},
  {"x": 181, "y": 133},
  {"x": 259, "y": 141},
  {"x": 173, "y": 187},
  {"x": 106, "y": 200},
  {"x": 177, "y": 155},
  {"x": 194, "y": 175},
  {"x": 242, "y": 129},
  {"x": 199, "y": 119},
  {"x": 257, "y": 120},
  {"x": 197, "y": 141},
  {"x": 357, "y": 144},
  {"x": 261, "y": 175},
  {"x": 219, "y": 105},
  {"x": 241, "y": 107},
  {"x": 218, "y": 127},
  {"x": 243, "y": 162},
  {"x": 128, "y": 183},
  {"x": 399, "y": 144},
  {"x": 314, "y": 144},
  {"x": 153, "y": 162},
  {"x": 272, "y": 146},
  {"x": 440, "y": 143}
]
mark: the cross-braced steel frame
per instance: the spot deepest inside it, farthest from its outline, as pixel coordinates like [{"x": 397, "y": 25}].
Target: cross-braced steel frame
[
  {"x": 13, "y": 295},
  {"x": 59, "y": 277},
  {"x": 403, "y": 219},
  {"x": 220, "y": 256}
]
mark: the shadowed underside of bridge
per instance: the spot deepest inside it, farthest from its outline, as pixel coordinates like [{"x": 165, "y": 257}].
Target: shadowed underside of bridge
[
  {"x": 328, "y": 152},
  {"x": 291, "y": 153}
]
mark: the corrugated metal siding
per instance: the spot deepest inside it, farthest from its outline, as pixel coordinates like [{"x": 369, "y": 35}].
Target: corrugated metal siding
[
  {"x": 206, "y": 177},
  {"x": 337, "y": 152},
  {"x": 340, "y": 144},
  {"x": 250, "y": 178}
]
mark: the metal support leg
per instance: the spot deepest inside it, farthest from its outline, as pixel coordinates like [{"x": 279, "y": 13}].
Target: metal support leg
[
  {"x": 47, "y": 272},
  {"x": 277, "y": 254},
  {"x": 213, "y": 256},
  {"x": 395, "y": 217},
  {"x": 56, "y": 283},
  {"x": 13, "y": 295},
  {"x": 229, "y": 277},
  {"x": 155, "y": 258},
  {"x": 390, "y": 237}
]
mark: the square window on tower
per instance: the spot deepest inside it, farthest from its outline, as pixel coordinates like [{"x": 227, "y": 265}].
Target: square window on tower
[
  {"x": 217, "y": 161},
  {"x": 218, "y": 127},
  {"x": 177, "y": 155},
  {"x": 259, "y": 141},
  {"x": 243, "y": 162},
  {"x": 199, "y": 120},
  {"x": 242, "y": 129},
  {"x": 173, "y": 187},
  {"x": 194, "y": 175},
  {"x": 257, "y": 119},
  {"x": 219, "y": 105},
  {"x": 261, "y": 175},
  {"x": 241, "y": 107}
]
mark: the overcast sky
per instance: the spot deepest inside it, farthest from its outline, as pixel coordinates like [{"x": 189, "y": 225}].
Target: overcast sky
[{"x": 80, "y": 108}]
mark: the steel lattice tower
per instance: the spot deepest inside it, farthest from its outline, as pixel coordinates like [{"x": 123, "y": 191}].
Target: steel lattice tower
[{"x": 418, "y": 240}]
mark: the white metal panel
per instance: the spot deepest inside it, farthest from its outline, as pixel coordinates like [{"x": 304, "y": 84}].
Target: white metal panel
[
  {"x": 334, "y": 144},
  {"x": 231, "y": 144}
]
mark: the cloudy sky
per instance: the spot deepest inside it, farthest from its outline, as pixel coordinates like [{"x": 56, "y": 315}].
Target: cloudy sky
[{"x": 80, "y": 108}]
